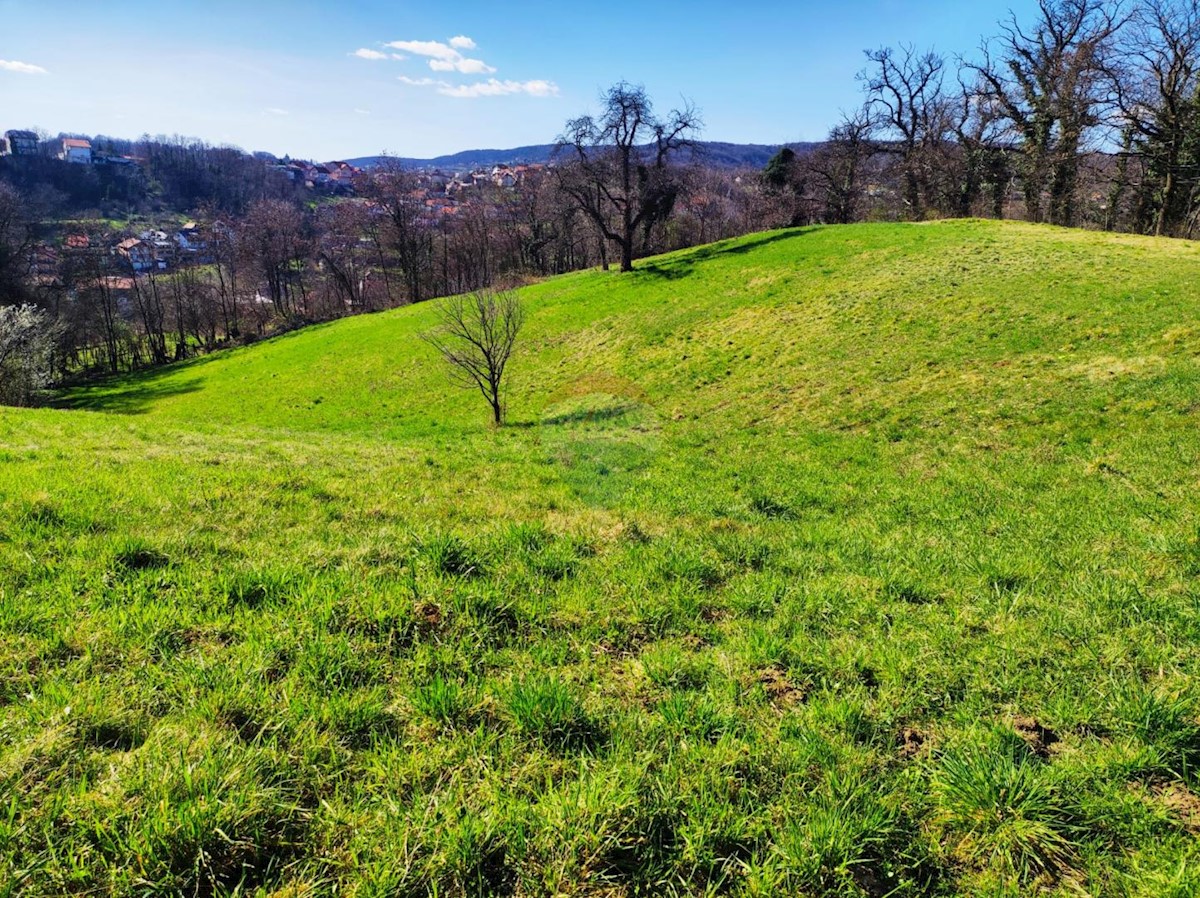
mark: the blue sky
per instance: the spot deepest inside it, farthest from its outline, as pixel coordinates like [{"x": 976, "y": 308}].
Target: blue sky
[{"x": 285, "y": 77}]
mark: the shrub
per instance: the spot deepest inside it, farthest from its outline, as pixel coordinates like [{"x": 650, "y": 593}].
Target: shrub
[{"x": 27, "y": 337}]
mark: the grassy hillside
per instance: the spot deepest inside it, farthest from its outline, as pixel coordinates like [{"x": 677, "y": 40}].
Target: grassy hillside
[{"x": 846, "y": 561}]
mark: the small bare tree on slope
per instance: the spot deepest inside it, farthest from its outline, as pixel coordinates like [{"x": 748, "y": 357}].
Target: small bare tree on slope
[{"x": 475, "y": 335}]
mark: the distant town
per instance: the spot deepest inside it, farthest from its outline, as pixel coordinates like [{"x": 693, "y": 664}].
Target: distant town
[{"x": 438, "y": 194}]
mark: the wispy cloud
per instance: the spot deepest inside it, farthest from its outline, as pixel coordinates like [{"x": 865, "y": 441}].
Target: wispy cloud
[
  {"x": 275, "y": 110},
  {"x": 362, "y": 111},
  {"x": 466, "y": 66},
  {"x": 491, "y": 88},
  {"x": 24, "y": 68},
  {"x": 446, "y": 57},
  {"x": 434, "y": 49},
  {"x": 365, "y": 53},
  {"x": 495, "y": 88}
]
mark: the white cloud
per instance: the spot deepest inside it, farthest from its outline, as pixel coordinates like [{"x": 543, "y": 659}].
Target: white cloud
[
  {"x": 446, "y": 57},
  {"x": 495, "y": 88},
  {"x": 434, "y": 49},
  {"x": 399, "y": 56},
  {"x": 466, "y": 66},
  {"x": 275, "y": 110},
  {"x": 362, "y": 111},
  {"x": 364, "y": 53},
  {"x": 24, "y": 68}
]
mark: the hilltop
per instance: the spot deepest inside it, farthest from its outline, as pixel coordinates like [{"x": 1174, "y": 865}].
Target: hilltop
[{"x": 834, "y": 561}]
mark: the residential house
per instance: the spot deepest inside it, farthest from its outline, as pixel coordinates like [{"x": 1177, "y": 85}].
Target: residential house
[
  {"x": 293, "y": 171},
  {"x": 503, "y": 177},
  {"x": 341, "y": 176},
  {"x": 190, "y": 240},
  {"x": 157, "y": 239},
  {"x": 76, "y": 150},
  {"x": 44, "y": 265},
  {"x": 118, "y": 290},
  {"x": 139, "y": 254},
  {"x": 22, "y": 143},
  {"x": 117, "y": 162},
  {"x": 317, "y": 175}
]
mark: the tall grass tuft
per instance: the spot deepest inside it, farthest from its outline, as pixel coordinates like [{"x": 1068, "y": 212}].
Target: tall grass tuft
[
  {"x": 547, "y": 709},
  {"x": 1004, "y": 813}
]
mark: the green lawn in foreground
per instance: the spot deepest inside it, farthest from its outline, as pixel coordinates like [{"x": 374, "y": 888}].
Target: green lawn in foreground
[{"x": 842, "y": 561}]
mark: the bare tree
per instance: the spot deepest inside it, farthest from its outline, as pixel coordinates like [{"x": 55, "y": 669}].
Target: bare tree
[
  {"x": 224, "y": 253},
  {"x": 398, "y": 194},
  {"x": 839, "y": 167},
  {"x": 982, "y": 154},
  {"x": 905, "y": 93},
  {"x": 1053, "y": 86},
  {"x": 1158, "y": 89},
  {"x": 343, "y": 253},
  {"x": 16, "y": 241},
  {"x": 152, "y": 311},
  {"x": 475, "y": 335},
  {"x": 616, "y": 168},
  {"x": 273, "y": 237}
]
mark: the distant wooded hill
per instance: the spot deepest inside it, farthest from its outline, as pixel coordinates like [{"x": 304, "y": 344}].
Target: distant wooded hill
[{"x": 722, "y": 155}]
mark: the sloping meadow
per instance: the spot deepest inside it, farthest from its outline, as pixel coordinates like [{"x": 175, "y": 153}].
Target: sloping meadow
[{"x": 843, "y": 561}]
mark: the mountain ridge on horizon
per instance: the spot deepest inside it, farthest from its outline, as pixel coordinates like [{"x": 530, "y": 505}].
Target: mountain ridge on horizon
[{"x": 722, "y": 154}]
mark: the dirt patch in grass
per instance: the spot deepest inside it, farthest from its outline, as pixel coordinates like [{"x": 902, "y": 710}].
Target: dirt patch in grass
[
  {"x": 910, "y": 743},
  {"x": 1183, "y": 804},
  {"x": 244, "y": 722},
  {"x": 780, "y": 690},
  {"x": 1038, "y": 738}
]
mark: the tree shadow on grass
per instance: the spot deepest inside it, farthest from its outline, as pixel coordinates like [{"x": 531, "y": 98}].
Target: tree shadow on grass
[
  {"x": 132, "y": 395},
  {"x": 591, "y": 416},
  {"x": 684, "y": 263}
]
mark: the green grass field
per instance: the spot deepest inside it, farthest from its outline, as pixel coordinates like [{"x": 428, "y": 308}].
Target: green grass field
[{"x": 842, "y": 561}]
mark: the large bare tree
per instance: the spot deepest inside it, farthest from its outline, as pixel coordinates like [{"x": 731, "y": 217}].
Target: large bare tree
[
  {"x": 616, "y": 168},
  {"x": 839, "y": 167},
  {"x": 1053, "y": 85},
  {"x": 398, "y": 195},
  {"x": 274, "y": 240},
  {"x": 1158, "y": 88},
  {"x": 907, "y": 99}
]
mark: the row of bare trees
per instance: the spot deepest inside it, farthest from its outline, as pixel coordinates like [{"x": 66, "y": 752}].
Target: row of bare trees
[{"x": 1089, "y": 114}]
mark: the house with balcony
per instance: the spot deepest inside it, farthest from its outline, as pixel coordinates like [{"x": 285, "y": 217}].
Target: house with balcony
[{"x": 21, "y": 143}]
